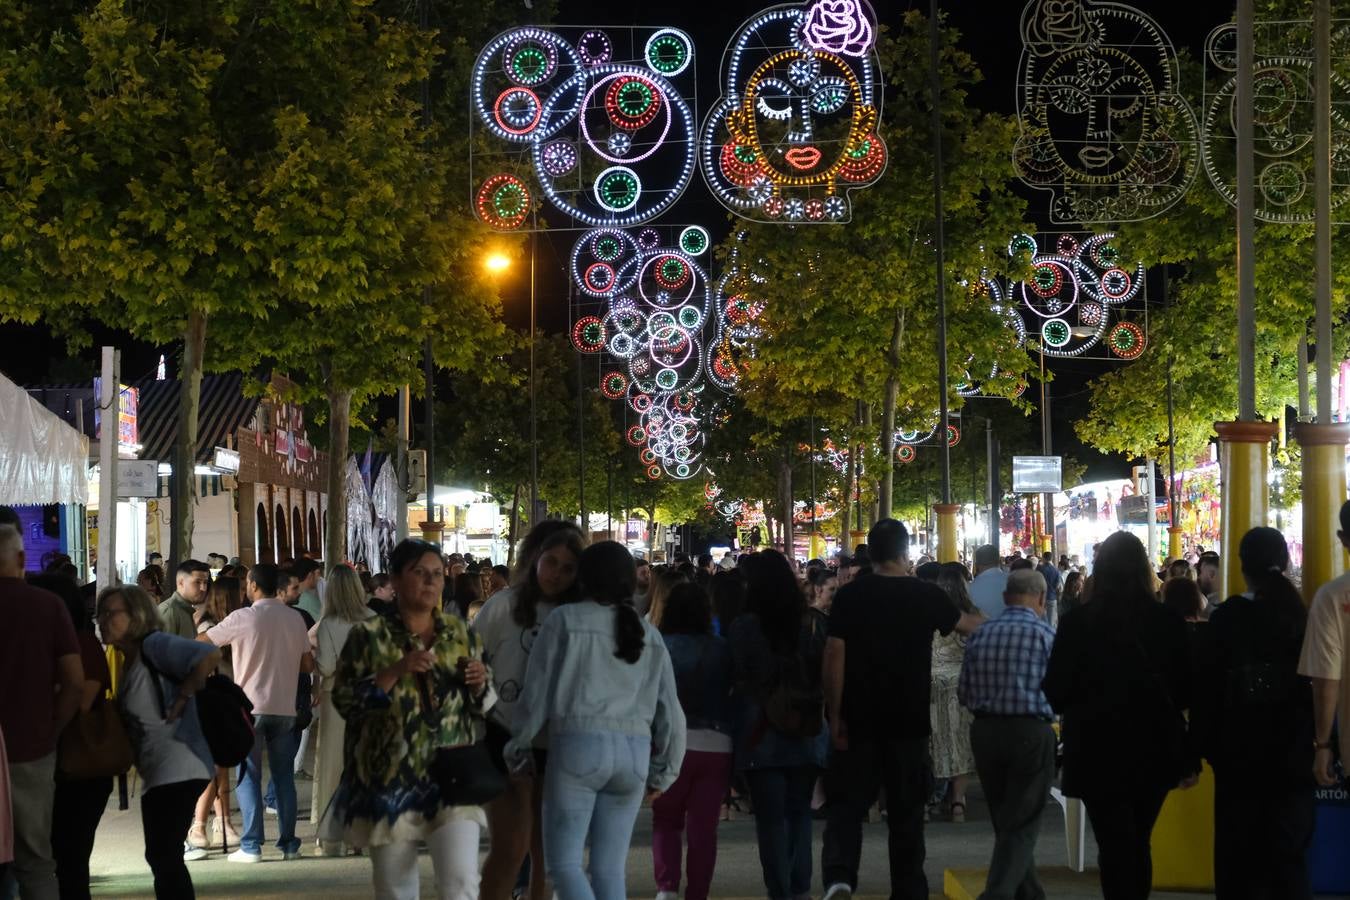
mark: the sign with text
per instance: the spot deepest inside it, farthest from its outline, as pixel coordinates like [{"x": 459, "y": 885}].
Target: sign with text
[
  {"x": 1037, "y": 474},
  {"x": 137, "y": 478}
]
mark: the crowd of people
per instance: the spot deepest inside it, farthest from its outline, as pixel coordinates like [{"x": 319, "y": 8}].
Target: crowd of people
[{"x": 547, "y": 705}]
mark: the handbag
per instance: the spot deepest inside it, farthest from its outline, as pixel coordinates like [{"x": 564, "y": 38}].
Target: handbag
[
  {"x": 95, "y": 744},
  {"x": 466, "y": 775}
]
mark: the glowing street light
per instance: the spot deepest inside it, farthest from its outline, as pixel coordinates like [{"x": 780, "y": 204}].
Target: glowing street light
[{"x": 497, "y": 262}]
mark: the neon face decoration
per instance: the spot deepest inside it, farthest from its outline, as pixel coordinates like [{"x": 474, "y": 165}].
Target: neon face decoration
[
  {"x": 607, "y": 142},
  {"x": 1105, "y": 129},
  {"x": 795, "y": 129},
  {"x": 1284, "y": 145}
]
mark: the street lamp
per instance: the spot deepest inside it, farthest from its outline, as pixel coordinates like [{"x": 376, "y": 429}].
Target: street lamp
[{"x": 497, "y": 262}]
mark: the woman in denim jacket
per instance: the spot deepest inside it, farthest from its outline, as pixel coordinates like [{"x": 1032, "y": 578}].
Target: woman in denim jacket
[
  {"x": 693, "y": 804},
  {"x": 600, "y": 679},
  {"x": 156, "y": 701}
]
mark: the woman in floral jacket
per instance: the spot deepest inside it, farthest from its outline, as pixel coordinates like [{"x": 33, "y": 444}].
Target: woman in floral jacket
[{"x": 410, "y": 682}]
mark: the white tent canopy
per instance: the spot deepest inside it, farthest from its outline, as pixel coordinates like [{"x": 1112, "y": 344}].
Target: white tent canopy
[{"x": 42, "y": 459}]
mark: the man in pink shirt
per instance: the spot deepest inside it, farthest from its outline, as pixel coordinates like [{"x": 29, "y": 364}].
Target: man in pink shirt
[{"x": 270, "y": 650}]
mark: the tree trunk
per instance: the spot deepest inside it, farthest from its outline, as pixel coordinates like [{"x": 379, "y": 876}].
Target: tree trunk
[
  {"x": 785, "y": 496},
  {"x": 515, "y": 526},
  {"x": 887, "y": 489},
  {"x": 184, "y": 500},
  {"x": 846, "y": 518},
  {"x": 339, "y": 424}
]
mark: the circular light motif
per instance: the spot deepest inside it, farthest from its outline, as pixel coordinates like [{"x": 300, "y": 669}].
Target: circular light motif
[
  {"x": 668, "y": 51},
  {"x": 595, "y": 48},
  {"x": 623, "y": 345},
  {"x": 503, "y": 202},
  {"x": 694, "y": 240},
  {"x": 740, "y": 163},
  {"x": 953, "y": 435},
  {"x": 666, "y": 379},
  {"x": 1067, "y": 245},
  {"x": 588, "y": 334},
  {"x": 617, "y": 189},
  {"x": 648, "y": 238},
  {"x": 517, "y": 110},
  {"x": 637, "y": 435},
  {"x": 632, "y": 102},
  {"x": 671, "y": 272},
  {"x": 648, "y": 456},
  {"x": 599, "y": 278},
  {"x": 1023, "y": 243},
  {"x": 1047, "y": 280},
  {"x": 690, "y": 317},
  {"x": 530, "y": 62},
  {"x": 835, "y": 208},
  {"x": 865, "y": 161},
  {"x": 1056, "y": 333},
  {"x": 613, "y": 385},
  {"x": 619, "y": 143},
  {"x": 905, "y": 453},
  {"x": 559, "y": 158},
  {"x": 1105, "y": 254},
  {"x": 654, "y": 473},
  {"x": 773, "y": 207},
  {"x": 1091, "y": 313},
  {"x": 1127, "y": 340},
  {"x": 815, "y": 210},
  {"x": 1116, "y": 284},
  {"x": 640, "y": 403}
]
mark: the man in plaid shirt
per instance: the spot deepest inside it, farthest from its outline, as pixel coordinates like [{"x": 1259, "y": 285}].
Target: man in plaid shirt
[{"x": 1011, "y": 736}]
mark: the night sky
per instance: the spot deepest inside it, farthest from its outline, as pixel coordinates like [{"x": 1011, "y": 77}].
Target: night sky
[{"x": 989, "y": 32}]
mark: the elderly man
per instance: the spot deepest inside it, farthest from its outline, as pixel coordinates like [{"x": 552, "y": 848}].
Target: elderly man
[
  {"x": 1011, "y": 736},
  {"x": 986, "y": 591}
]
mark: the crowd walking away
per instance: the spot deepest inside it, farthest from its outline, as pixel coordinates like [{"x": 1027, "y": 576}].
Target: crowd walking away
[{"x": 446, "y": 705}]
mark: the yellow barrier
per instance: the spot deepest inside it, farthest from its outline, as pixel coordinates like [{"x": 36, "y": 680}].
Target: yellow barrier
[{"x": 1183, "y": 839}]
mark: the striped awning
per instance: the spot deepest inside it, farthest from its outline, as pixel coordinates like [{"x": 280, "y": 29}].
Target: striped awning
[{"x": 223, "y": 410}]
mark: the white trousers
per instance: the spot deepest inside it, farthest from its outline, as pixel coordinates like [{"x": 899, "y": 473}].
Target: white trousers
[{"x": 454, "y": 857}]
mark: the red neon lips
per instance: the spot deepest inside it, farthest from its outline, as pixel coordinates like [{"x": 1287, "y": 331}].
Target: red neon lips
[{"x": 802, "y": 157}]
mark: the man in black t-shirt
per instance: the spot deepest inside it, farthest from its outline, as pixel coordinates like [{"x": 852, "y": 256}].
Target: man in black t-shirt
[{"x": 876, "y": 676}]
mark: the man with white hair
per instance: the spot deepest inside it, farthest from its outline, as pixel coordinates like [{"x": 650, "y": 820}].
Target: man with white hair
[
  {"x": 42, "y": 674},
  {"x": 1011, "y": 737}
]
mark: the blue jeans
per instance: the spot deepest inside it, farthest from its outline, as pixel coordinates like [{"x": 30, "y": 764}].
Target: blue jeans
[
  {"x": 782, "y": 799},
  {"x": 278, "y": 733},
  {"x": 593, "y": 787}
]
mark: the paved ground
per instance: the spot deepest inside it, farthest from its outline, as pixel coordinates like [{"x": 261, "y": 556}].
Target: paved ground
[{"x": 119, "y": 871}]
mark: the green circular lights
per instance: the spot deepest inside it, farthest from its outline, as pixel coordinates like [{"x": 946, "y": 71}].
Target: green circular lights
[
  {"x": 745, "y": 154},
  {"x": 672, "y": 269},
  {"x": 666, "y": 379},
  {"x": 689, "y": 317},
  {"x": 510, "y": 200},
  {"x": 694, "y": 240},
  {"x": 668, "y": 52},
  {"x": 1056, "y": 333},
  {"x": 862, "y": 150},
  {"x": 608, "y": 249},
  {"x": 635, "y": 98},
  {"x": 530, "y": 64},
  {"x": 617, "y": 189},
  {"x": 1023, "y": 243}
]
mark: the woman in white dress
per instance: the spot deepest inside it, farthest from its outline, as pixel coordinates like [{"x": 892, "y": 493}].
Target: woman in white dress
[{"x": 344, "y": 605}]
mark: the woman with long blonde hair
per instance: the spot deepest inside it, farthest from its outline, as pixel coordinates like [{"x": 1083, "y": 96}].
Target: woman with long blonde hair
[
  {"x": 222, "y": 598},
  {"x": 344, "y": 605}
]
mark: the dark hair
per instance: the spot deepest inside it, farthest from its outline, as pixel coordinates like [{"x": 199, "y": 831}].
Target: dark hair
[
  {"x": 303, "y": 567},
  {"x": 542, "y": 538},
  {"x": 223, "y": 598},
  {"x": 704, "y": 559},
  {"x": 191, "y": 566},
  {"x": 267, "y": 577},
  {"x": 608, "y": 577},
  {"x": 772, "y": 593},
  {"x": 1073, "y": 587},
  {"x": 379, "y": 581},
  {"x": 467, "y": 590},
  {"x": 818, "y": 575},
  {"x": 687, "y": 611},
  {"x": 954, "y": 581},
  {"x": 1265, "y": 556},
  {"x": 408, "y": 552},
  {"x": 504, "y": 572},
  {"x": 1020, "y": 562},
  {"x": 1183, "y": 597},
  {"x": 1208, "y": 558},
  {"x": 929, "y": 571},
  {"x": 887, "y": 541},
  {"x": 11, "y": 518},
  {"x": 69, "y": 592},
  {"x": 1122, "y": 578},
  {"x": 728, "y": 597},
  {"x": 1345, "y": 518}
]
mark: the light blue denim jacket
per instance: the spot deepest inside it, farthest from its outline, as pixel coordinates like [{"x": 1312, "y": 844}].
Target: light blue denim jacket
[
  {"x": 575, "y": 684},
  {"x": 174, "y": 658}
]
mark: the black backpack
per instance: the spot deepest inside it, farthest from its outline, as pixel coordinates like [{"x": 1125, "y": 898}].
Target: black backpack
[{"x": 224, "y": 713}]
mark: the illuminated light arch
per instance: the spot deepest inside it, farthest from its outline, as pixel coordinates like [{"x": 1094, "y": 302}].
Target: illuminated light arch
[{"x": 503, "y": 201}]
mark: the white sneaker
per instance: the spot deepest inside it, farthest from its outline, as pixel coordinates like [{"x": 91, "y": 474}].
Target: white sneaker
[
  {"x": 270, "y": 812},
  {"x": 838, "y": 891},
  {"x": 243, "y": 856},
  {"x": 667, "y": 895},
  {"x": 192, "y": 854}
]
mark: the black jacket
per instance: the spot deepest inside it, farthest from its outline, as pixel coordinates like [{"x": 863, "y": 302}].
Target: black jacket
[{"x": 1121, "y": 680}]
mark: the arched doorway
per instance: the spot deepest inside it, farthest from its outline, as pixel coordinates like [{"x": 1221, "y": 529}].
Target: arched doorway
[
  {"x": 262, "y": 536},
  {"x": 297, "y": 532},
  {"x": 282, "y": 546},
  {"x": 315, "y": 539}
]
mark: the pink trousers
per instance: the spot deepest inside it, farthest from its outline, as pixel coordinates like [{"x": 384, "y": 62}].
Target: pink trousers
[{"x": 693, "y": 805}]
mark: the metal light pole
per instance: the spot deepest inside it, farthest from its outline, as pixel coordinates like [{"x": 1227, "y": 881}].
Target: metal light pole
[
  {"x": 432, "y": 528},
  {"x": 945, "y": 509},
  {"x": 1246, "y": 222},
  {"x": 534, "y": 421}
]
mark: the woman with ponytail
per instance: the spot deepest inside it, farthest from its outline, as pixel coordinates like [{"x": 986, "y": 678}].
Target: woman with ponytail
[
  {"x": 1254, "y": 719},
  {"x": 600, "y": 679}
]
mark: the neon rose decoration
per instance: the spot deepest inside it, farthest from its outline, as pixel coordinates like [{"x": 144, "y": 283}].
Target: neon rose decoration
[{"x": 838, "y": 26}]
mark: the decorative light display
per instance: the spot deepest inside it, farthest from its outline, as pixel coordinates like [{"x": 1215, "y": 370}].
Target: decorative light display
[
  {"x": 1283, "y": 117},
  {"x": 905, "y": 453},
  {"x": 1104, "y": 128},
  {"x": 795, "y": 129},
  {"x": 660, "y": 309},
  {"x": 1127, "y": 340},
  {"x": 561, "y": 107}
]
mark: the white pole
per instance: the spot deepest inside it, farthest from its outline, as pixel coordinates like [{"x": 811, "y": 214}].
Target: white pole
[
  {"x": 1152, "y": 518},
  {"x": 1322, "y": 189},
  {"x": 108, "y": 396},
  {"x": 401, "y": 460}
]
